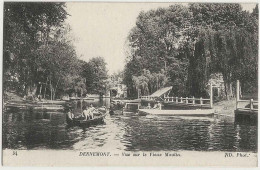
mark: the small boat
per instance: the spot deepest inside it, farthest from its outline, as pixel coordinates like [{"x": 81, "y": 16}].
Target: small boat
[
  {"x": 115, "y": 112},
  {"x": 116, "y": 108},
  {"x": 86, "y": 123}
]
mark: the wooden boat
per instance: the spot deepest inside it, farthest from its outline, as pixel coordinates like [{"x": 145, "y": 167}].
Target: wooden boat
[
  {"x": 86, "y": 123},
  {"x": 116, "y": 112},
  {"x": 116, "y": 109},
  {"x": 194, "y": 112}
]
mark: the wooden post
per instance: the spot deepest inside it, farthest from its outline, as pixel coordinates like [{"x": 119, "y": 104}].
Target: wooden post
[
  {"x": 45, "y": 88},
  {"x": 81, "y": 105},
  {"x": 251, "y": 104},
  {"x": 201, "y": 101},
  {"x": 193, "y": 100},
  {"x": 211, "y": 96},
  {"x": 51, "y": 89},
  {"x": 187, "y": 100},
  {"x": 41, "y": 89},
  {"x": 181, "y": 100},
  {"x": 237, "y": 93},
  {"x": 176, "y": 99}
]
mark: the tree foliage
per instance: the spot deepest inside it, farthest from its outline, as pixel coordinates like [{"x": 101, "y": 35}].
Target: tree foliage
[
  {"x": 39, "y": 57},
  {"x": 192, "y": 42}
]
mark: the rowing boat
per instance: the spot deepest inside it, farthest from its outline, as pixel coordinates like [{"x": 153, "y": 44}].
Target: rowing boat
[{"x": 86, "y": 123}]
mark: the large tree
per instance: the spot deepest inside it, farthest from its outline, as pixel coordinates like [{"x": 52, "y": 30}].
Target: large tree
[
  {"x": 95, "y": 74},
  {"x": 192, "y": 42},
  {"x": 27, "y": 28}
]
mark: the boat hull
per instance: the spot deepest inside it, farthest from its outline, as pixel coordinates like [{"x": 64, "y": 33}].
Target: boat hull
[
  {"x": 197, "y": 112},
  {"x": 86, "y": 123}
]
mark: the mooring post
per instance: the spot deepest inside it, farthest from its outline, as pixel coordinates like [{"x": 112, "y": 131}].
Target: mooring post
[
  {"x": 211, "y": 96},
  {"x": 237, "y": 94},
  {"x": 251, "y": 104}
]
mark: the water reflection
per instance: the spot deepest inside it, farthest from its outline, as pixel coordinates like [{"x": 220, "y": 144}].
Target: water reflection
[{"x": 48, "y": 130}]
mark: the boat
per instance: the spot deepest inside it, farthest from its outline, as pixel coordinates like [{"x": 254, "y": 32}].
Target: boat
[
  {"x": 115, "y": 112},
  {"x": 116, "y": 108},
  {"x": 194, "y": 112},
  {"x": 86, "y": 123}
]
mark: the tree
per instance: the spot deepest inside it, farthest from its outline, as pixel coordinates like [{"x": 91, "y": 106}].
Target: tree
[
  {"x": 27, "y": 26},
  {"x": 95, "y": 73},
  {"x": 191, "y": 43}
]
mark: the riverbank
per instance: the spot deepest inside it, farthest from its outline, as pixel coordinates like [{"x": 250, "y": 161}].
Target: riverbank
[{"x": 11, "y": 96}]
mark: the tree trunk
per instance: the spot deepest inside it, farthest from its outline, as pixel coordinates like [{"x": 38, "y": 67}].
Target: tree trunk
[
  {"x": 51, "y": 89},
  {"x": 45, "y": 88},
  {"x": 54, "y": 92},
  {"x": 228, "y": 87}
]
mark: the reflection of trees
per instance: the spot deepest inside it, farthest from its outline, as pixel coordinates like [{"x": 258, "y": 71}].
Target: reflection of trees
[{"x": 29, "y": 130}]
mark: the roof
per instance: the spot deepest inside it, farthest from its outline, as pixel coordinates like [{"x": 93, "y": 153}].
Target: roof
[{"x": 161, "y": 92}]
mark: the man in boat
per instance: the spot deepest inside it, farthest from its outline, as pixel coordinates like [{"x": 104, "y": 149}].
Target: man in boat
[
  {"x": 70, "y": 116},
  {"x": 85, "y": 113},
  {"x": 149, "y": 106},
  {"x": 92, "y": 110},
  {"x": 157, "y": 105}
]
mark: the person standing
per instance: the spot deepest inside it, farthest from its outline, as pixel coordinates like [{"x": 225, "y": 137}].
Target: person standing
[
  {"x": 70, "y": 116},
  {"x": 85, "y": 113}
]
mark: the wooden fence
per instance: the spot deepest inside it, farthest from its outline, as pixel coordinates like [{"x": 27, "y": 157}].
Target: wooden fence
[
  {"x": 189, "y": 101},
  {"x": 242, "y": 107},
  {"x": 185, "y": 100}
]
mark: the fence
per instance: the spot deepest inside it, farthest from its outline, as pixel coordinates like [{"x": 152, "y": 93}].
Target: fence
[
  {"x": 189, "y": 101},
  {"x": 148, "y": 97},
  {"x": 185, "y": 100},
  {"x": 245, "y": 104}
]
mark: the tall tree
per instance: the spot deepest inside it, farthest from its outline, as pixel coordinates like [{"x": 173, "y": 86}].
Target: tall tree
[{"x": 27, "y": 26}]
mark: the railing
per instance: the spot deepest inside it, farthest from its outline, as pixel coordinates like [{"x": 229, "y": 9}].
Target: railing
[
  {"x": 251, "y": 103},
  {"x": 189, "y": 101},
  {"x": 148, "y": 97}
]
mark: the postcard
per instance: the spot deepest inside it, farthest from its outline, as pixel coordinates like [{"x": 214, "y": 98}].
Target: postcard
[{"x": 130, "y": 84}]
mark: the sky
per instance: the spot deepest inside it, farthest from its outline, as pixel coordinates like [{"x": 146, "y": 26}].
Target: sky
[{"x": 101, "y": 29}]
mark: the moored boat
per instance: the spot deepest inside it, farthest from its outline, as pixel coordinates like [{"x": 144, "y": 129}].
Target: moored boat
[{"x": 115, "y": 112}]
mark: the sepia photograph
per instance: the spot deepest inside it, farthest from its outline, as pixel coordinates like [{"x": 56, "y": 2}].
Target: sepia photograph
[{"x": 130, "y": 83}]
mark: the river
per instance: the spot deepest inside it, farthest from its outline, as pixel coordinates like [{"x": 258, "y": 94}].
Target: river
[{"x": 48, "y": 130}]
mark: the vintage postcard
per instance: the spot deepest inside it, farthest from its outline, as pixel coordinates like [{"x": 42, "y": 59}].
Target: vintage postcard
[{"x": 130, "y": 84}]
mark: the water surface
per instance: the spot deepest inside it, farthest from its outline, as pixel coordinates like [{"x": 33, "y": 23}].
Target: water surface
[{"x": 48, "y": 130}]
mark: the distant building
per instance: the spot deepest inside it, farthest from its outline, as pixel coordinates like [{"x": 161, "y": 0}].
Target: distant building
[
  {"x": 119, "y": 90},
  {"x": 217, "y": 82}
]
